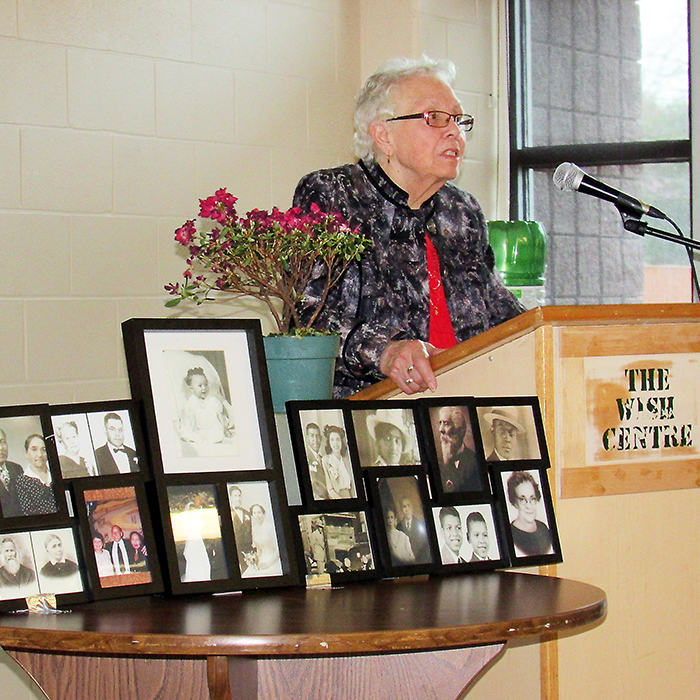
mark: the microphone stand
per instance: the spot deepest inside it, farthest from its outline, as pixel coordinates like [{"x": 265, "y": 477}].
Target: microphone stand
[{"x": 641, "y": 228}]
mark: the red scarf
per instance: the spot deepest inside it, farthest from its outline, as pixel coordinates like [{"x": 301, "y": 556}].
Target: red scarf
[{"x": 442, "y": 334}]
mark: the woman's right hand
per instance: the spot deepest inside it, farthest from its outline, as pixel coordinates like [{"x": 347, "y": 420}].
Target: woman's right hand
[{"x": 407, "y": 363}]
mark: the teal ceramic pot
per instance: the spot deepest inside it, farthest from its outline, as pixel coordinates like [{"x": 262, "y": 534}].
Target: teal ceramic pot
[
  {"x": 520, "y": 248},
  {"x": 300, "y": 368}
]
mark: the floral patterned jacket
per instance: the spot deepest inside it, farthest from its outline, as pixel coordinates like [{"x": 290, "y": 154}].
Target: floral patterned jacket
[{"x": 386, "y": 296}]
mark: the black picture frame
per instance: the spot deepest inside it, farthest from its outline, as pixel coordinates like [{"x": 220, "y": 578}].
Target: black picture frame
[
  {"x": 520, "y": 421},
  {"x": 112, "y": 512},
  {"x": 471, "y": 537},
  {"x": 405, "y": 494},
  {"x": 49, "y": 564},
  {"x": 29, "y": 500},
  {"x": 525, "y": 493},
  {"x": 340, "y": 543},
  {"x": 448, "y": 433},
  {"x": 206, "y": 551},
  {"x": 98, "y": 439},
  {"x": 174, "y": 362},
  {"x": 332, "y": 480}
]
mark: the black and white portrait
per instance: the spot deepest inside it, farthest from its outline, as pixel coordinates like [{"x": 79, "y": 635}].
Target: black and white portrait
[
  {"x": 114, "y": 444},
  {"x": 508, "y": 433},
  {"x": 404, "y": 520},
  {"x": 74, "y": 445},
  {"x": 201, "y": 402},
  {"x": 56, "y": 561},
  {"x": 456, "y": 453},
  {"x": 466, "y": 534},
  {"x": 529, "y": 524},
  {"x": 18, "y": 577},
  {"x": 327, "y": 454},
  {"x": 26, "y": 482},
  {"x": 255, "y": 529}
]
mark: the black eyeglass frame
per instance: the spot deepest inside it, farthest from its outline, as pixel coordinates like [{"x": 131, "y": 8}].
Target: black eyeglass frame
[{"x": 467, "y": 126}]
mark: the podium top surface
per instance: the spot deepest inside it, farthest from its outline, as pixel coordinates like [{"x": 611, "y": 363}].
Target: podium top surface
[
  {"x": 555, "y": 316},
  {"x": 412, "y": 614}
]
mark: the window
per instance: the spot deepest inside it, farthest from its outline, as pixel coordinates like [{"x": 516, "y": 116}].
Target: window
[{"x": 603, "y": 84}]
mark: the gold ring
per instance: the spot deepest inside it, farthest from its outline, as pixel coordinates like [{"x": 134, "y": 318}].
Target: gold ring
[
  {"x": 411, "y": 368},
  {"x": 409, "y": 381}
]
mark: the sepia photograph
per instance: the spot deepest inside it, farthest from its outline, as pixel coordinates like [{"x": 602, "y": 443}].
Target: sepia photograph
[
  {"x": 386, "y": 436},
  {"x": 453, "y": 440},
  {"x": 336, "y": 543},
  {"x": 404, "y": 520},
  {"x": 254, "y": 529},
  {"x": 509, "y": 433}
]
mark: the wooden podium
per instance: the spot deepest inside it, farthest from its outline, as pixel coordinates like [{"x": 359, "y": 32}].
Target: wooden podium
[{"x": 619, "y": 388}]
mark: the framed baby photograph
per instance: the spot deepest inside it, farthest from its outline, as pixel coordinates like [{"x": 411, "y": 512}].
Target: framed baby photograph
[
  {"x": 121, "y": 557},
  {"x": 339, "y": 544},
  {"x": 531, "y": 532},
  {"x": 405, "y": 530},
  {"x": 323, "y": 445},
  {"x": 455, "y": 469},
  {"x": 30, "y": 480},
  {"x": 98, "y": 439},
  {"x": 385, "y": 433},
  {"x": 470, "y": 537},
  {"x": 206, "y": 394},
  {"x": 511, "y": 430}
]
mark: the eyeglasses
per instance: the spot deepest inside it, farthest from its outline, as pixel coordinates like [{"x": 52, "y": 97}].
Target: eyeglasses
[
  {"x": 440, "y": 120},
  {"x": 524, "y": 500}
]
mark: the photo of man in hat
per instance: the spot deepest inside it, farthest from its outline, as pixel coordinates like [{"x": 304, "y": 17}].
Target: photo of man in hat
[{"x": 505, "y": 429}]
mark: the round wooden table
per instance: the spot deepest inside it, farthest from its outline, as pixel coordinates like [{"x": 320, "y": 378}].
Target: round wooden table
[{"x": 382, "y": 639}]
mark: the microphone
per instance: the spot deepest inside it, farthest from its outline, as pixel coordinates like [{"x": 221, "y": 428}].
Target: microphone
[{"x": 570, "y": 177}]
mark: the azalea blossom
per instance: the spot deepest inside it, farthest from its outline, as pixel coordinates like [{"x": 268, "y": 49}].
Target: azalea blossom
[{"x": 271, "y": 256}]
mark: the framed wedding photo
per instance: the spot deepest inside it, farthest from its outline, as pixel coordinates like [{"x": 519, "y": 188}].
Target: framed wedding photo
[
  {"x": 116, "y": 529},
  {"x": 448, "y": 431},
  {"x": 260, "y": 530},
  {"x": 339, "y": 544},
  {"x": 206, "y": 394},
  {"x": 511, "y": 430},
  {"x": 532, "y": 534},
  {"x": 98, "y": 439},
  {"x": 470, "y": 537},
  {"x": 323, "y": 445},
  {"x": 30, "y": 480}
]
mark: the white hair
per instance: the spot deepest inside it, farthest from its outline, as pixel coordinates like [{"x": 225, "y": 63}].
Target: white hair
[{"x": 376, "y": 99}]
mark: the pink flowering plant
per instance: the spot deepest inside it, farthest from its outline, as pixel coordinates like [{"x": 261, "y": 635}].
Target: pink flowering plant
[{"x": 271, "y": 256}]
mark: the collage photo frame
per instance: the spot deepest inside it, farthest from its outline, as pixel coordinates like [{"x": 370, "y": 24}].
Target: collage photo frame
[{"x": 432, "y": 471}]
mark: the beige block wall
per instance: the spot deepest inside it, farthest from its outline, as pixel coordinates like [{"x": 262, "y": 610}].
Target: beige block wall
[{"x": 117, "y": 115}]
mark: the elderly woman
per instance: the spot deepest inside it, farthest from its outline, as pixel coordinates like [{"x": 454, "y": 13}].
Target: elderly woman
[{"x": 427, "y": 281}]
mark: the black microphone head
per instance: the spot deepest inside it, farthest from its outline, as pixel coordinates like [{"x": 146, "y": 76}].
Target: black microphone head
[{"x": 568, "y": 177}]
